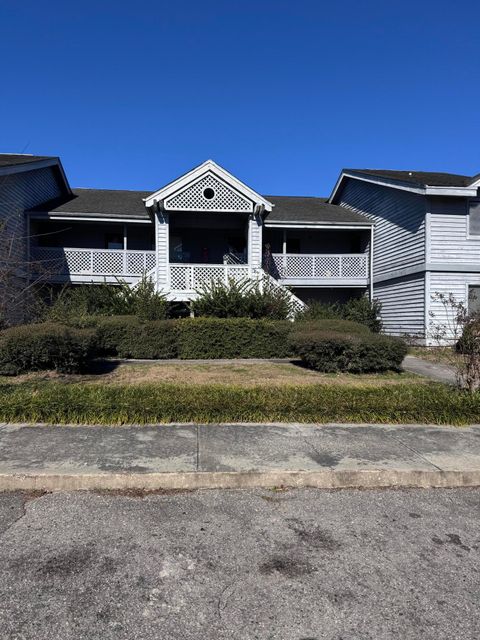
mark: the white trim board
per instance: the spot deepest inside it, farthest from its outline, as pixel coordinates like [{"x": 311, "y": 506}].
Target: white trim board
[
  {"x": 319, "y": 225},
  {"x": 209, "y": 166}
]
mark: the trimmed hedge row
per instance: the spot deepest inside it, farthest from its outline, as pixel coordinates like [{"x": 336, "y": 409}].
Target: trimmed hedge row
[
  {"x": 355, "y": 351},
  {"x": 325, "y": 345},
  {"x": 189, "y": 338},
  {"x": 45, "y": 346}
]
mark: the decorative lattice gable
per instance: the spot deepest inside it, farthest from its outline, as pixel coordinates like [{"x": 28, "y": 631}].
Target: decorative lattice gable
[{"x": 208, "y": 194}]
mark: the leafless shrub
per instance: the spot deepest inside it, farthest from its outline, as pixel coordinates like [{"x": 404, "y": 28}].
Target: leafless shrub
[{"x": 459, "y": 334}]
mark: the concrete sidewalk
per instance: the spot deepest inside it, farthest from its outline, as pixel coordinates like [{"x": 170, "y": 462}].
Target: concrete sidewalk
[
  {"x": 433, "y": 370},
  {"x": 39, "y": 457}
]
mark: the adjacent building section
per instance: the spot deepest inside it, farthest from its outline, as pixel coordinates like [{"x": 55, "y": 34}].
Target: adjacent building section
[{"x": 426, "y": 242}]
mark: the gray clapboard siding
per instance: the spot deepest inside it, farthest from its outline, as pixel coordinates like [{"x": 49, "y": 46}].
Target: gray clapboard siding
[
  {"x": 399, "y": 216},
  {"x": 448, "y": 232},
  {"x": 19, "y": 192},
  {"x": 447, "y": 283},
  {"x": 403, "y": 305}
]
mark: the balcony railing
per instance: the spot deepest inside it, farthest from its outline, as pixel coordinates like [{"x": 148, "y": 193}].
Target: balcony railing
[
  {"x": 95, "y": 262},
  {"x": 302, "y": 266},
  {"x": 189, "y": 277}
]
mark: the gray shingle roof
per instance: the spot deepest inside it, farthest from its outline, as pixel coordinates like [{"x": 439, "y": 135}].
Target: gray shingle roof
[
  {"x": 108, "y": 203},
  {"x": 14, "y": 159},
  {"x": 309, "y": 210},
  {"x": 419, "y": 178},
  {"x": 120, "y": 204}
]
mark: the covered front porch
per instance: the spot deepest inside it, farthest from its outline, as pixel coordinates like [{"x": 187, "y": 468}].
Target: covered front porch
[
  {"x": 84, "y": 252},
  {"x": 318, "y": 257}
]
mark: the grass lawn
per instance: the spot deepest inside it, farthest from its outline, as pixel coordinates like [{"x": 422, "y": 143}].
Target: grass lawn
[
  {"x": 242, "y": 374},
  {"x": 162, "y": 393},
  {"x": 440, "y": 355}
]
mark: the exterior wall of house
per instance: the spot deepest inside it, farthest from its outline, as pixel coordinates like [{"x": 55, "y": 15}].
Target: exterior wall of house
[
  {"x": 162, "y": 249},
  {"x": 399, "y": 216},
  {"x": 255, "y": 247},
  {"x": 399, "y": 243},
  {"x": 446, "y": 283},
  {"x": 20, "y": 191},
  {"x": 449, "y": 239},
  {"x": 403, "y": 305}
]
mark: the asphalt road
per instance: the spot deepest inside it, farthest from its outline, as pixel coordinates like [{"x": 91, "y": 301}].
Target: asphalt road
[{"x": 293, "y": 565}]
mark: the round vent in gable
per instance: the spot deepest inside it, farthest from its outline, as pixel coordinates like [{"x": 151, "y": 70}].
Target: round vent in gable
[{"x": 208, "y": 193}]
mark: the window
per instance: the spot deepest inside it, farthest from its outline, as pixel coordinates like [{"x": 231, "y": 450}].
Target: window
[
  {"x": 474, "y": 218},
  {"x": 473, "y": 298},
  {"x": 113, "y": 241}
]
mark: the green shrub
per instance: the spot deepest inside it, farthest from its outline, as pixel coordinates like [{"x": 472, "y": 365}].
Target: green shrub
[
  {"x": 359, "y": 310},
  {"x": 110, "y": 332},
  {"x": 127, "y": 337},
  {"x": 75, "y": 305},
  {"x": 233, "y": 338},
  {"x": 155, "y": 340},
  {"x": 356, "y": 351},
  {"x": 363, "y": 311},
  {"x": 45, "y": 346},
  {"x": 242, "y": 300},
  {"x": 338, "y": 325}
]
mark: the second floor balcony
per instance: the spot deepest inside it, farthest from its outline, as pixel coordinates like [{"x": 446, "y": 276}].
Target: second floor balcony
[{"x": 318, "y": 269}]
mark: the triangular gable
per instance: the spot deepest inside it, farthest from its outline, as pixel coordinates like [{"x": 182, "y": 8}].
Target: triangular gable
[{"x": 208, "y": 188}]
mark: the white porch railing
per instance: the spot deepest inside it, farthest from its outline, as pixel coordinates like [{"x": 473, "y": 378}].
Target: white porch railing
[
  {"x": 96, "y": 262},
  {"x": 347, "y": 266},
  {"x": 189, "y": 277}
]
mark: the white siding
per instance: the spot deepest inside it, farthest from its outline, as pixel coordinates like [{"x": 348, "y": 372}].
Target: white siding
[
  {"x": 448, "y": 230},
  {"x": 447, "y": 283},
  {"x": 255, "y": 226},
  {"x": 162, "y": 248},
  {"x": 399, "y": 216},
  {"x": 403, "y": 305}
]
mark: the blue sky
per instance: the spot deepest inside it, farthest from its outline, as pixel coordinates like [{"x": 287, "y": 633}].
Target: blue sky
[{"x": 281, "y": 93}]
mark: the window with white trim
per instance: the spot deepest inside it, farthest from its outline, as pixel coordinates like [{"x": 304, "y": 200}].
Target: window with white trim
[
  {"x": 474, "y": 298},
  {"x": 474, "y": 218}
]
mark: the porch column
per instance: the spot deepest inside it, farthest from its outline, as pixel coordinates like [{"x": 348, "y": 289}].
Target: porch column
[
  {"x": 162, "y": 249},
  {"x": 255, "y": 228}
]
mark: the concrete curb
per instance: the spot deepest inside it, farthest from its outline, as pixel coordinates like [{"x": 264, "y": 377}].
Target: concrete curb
[{"x": 327, "y": 479}]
